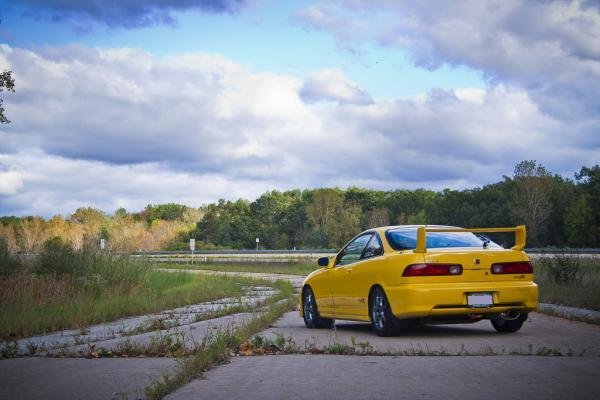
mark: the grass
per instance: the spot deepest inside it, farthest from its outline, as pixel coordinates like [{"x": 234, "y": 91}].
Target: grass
[
  {"x": 32, "y": 303},
  {"x": 216, "y": 349},
  {"x": 580, "y": 288},
  {"x": 272, "y": 268}
]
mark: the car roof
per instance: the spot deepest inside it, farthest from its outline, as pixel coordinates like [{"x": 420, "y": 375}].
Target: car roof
[{"x": 385, "y": 228}]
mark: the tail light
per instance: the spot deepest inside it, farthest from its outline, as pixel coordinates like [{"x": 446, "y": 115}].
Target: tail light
[
  {"x": 519, "y": 267},
  {"x": 432, "y": 269}
]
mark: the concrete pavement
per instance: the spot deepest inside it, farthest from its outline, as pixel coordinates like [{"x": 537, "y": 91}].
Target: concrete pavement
[
  {"x": 367, "y": 377},
  {"x": 79, "y": 378},
  {"x": 540, "y": 333}
]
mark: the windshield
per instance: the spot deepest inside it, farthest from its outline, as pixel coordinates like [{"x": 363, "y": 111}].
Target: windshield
[{"x": 406, "y": 239}]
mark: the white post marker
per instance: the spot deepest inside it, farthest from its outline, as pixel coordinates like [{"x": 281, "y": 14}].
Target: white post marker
[
  {"x": 192, "y": 248},
  {"x": 257, "y": 240},
  {"x": 102, "y": 244}
]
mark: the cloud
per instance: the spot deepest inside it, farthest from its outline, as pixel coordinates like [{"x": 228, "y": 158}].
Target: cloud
[
  {"x": 551, "y": 49},
  {"x": 10, "y": 182},
  {"x": 122, "y": 13},
  {"x": 122, "y": 127},
  {"x": 332, "y": 84},
  {"x": 52, "y": 184}
]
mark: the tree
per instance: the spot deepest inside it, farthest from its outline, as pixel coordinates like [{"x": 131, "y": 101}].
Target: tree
[
  {"x": 533, "y": 187},
  {"x": 583, "y": 220},
  {"x": 7, "y": 82},
  {"x": 91, "y": 221},
  {"x": 377, "y": 217},
  {"x": 7, "y": 236},
  {"x": 32, "y": 232}
]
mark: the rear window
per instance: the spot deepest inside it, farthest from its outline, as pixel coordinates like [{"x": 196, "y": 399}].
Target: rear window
[{"x": 406, "y": 239}]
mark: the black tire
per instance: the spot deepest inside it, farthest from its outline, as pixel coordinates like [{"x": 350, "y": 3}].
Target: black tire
[
  {"x": 509, "y": 325},
  {"x": 310, "y": 313},
  {"x": 383, "y": 321}
]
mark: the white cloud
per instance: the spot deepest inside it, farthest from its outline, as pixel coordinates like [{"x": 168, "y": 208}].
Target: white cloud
[
  {"x": 551, "y": 49},
  {"x": 121, "y": 127},
  {"x": 54, "y": 184},
  {"x": 333, "y": 84},
  {"x": 10, "y": 182}
]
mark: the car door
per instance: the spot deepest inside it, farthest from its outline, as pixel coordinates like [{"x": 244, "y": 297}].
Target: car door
[
  {"x": 362, "y": 276},
  {"x": 341, "y": 289}
]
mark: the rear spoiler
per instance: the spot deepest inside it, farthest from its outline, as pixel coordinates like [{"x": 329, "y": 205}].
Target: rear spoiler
[{"x": 518, "y": 230}]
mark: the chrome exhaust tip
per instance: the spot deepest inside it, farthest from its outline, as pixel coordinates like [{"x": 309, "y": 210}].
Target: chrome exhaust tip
[{"x": 510, "y": 315}]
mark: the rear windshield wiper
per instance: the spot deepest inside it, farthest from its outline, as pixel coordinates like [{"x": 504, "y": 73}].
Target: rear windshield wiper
[{"x": 486, "y": 240}]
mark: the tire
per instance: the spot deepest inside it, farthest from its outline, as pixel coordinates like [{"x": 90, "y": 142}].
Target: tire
[
  {"x": 383, "y": 321},
  {"x": 509, "y": 325},
  {"x": 310, "y": 313}
]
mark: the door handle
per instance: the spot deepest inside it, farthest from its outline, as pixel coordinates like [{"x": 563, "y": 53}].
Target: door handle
[{"x": 349, "y": 270}]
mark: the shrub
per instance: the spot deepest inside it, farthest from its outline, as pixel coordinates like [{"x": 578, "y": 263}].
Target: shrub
[
  {"x": 57, "y": 257},
  {"x": 9, "y": 264},
  {"x": 562, "y": 268}
]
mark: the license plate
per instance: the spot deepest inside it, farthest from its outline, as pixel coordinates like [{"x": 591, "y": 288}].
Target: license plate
[{"x": 480, "y": 300}]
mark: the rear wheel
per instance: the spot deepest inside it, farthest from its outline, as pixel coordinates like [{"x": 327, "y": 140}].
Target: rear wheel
[
  {"x": 383, "y": 321},
  {"x": 311, "y": 316},
  {"x": 511, "y": 325}
]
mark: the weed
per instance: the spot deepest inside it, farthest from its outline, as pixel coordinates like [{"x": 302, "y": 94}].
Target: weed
[
  {"x": 562, "y": 269},
  {"x": 217, "y": 348},
  {"x": 32, "y": 348},
  {"x": 9, "y": 350}
]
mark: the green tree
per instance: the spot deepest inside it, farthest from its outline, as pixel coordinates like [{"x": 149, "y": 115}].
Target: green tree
[
  {"x": 533, "y": 188},
  {"x": 584, "y": 223},
  {"x": 7, "y": 82},
  {"x": 90, "y": 219},
  {"x": 167, "y": 212}
]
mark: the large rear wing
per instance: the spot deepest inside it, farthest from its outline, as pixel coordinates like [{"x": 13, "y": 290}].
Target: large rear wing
[{"x": 519, "y": 231}]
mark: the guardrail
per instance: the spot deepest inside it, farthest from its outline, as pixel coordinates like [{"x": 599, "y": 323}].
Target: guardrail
[
  {"x": 202, "y": 252},
  {"x": 289, "y": 256},
  {"x": 555, "y": 250}
]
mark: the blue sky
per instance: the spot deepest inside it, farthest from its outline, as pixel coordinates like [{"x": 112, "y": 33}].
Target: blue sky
[
  {"x": 190, "y": 101},
  {"x": 263, "y": 37}
]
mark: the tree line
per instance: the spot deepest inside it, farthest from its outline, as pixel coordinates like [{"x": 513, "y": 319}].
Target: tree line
[{"x": 558, "y": 212}]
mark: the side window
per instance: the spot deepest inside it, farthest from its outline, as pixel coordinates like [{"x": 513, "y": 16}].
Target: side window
[
  {"x": 374, "y": 248},
  {"x": 354, "y": 250}
]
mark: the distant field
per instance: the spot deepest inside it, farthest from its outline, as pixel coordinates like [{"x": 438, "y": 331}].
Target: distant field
[{"x": 272, "y": 268}]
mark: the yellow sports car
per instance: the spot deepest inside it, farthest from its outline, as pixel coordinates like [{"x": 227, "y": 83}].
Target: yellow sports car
[{"x": 400, "y": 275}]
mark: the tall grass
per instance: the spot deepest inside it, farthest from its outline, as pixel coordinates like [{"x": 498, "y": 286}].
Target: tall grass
[
  {"x": 302, "y": 269},
  {"x": 67, "y": 289},
  {"x": 568, "y": 280}
]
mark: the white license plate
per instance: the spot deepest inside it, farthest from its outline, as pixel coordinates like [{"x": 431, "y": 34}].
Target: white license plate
[{"x": 480, "y": 299}]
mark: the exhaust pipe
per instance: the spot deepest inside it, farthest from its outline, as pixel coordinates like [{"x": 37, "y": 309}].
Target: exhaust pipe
[{"x": 510, "y": 315}]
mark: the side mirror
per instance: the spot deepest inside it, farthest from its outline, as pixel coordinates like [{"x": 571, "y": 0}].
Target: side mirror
[{"x": 323, "y": 261}]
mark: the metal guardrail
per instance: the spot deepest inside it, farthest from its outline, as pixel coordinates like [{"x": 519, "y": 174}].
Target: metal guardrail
[
  {"x": 554, "y": 250},
  {"x": 533, "y": 250},
  {"x": 232, "y": 252}
]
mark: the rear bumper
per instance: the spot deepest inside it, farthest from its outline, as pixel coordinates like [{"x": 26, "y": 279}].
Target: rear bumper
[{"x": 437, "y": 299}]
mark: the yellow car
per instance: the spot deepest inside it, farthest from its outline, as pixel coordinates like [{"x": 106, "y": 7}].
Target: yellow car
[{"x": 400, "y": 275}]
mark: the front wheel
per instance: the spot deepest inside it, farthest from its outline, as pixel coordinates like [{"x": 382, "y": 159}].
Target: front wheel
[
  {"x": 311, "y": 316},
  {"x": 383, "y": 321},
  {"x": 509, "y": 325}
]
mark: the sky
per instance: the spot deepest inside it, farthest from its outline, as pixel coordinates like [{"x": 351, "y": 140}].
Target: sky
[{"x": 124, "y": 103}]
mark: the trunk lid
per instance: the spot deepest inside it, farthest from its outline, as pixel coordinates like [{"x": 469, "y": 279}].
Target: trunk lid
[{"x": 477, "y": 262}]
